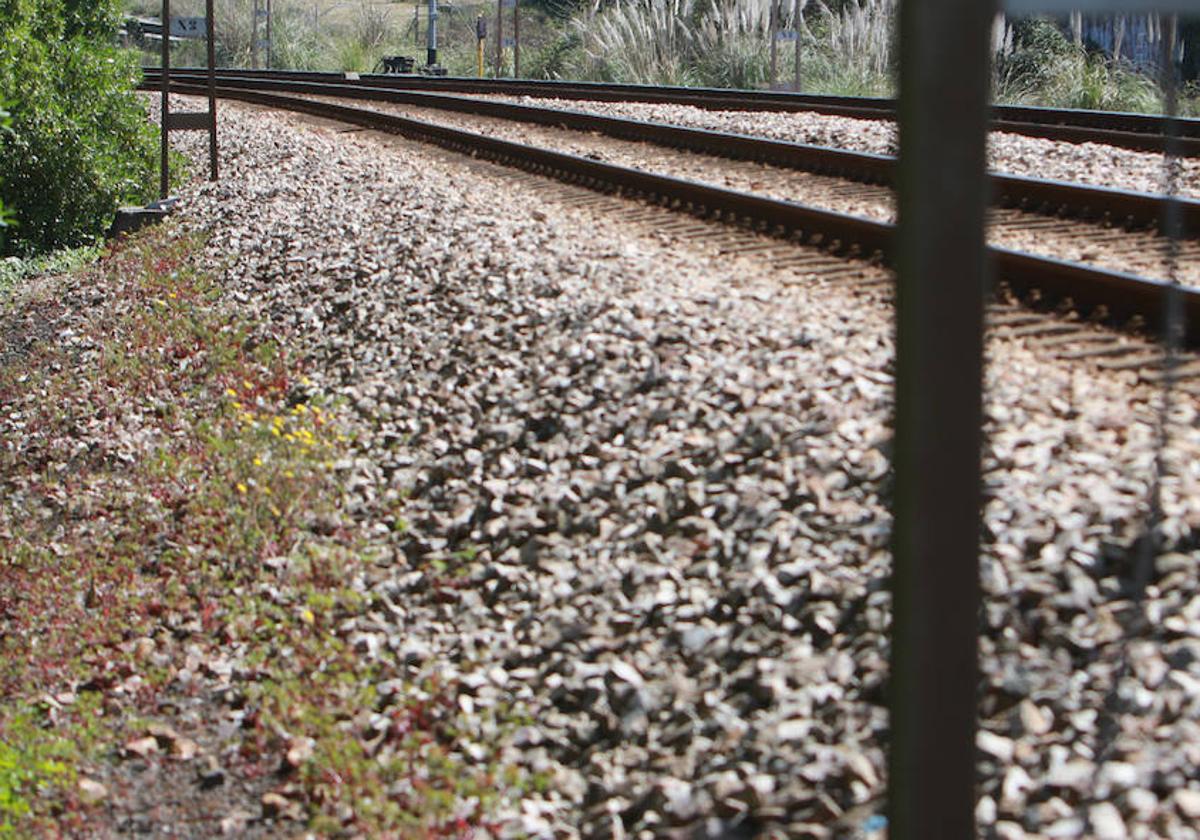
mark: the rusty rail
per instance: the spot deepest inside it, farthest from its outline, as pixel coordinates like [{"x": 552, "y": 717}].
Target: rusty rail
[
  {"x": 1141, "y": 132},
  {"x": 1032, "y": 194},
  {"x": 1121, "y": 295}
]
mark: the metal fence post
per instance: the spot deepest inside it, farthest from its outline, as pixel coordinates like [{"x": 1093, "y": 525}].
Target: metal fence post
[
  {"x": 212, "y": 89},
  {"x": 164, "y": 184},
  {"x": 943, "y": 111},
  {"x": 797, "y": 11},
  {"x": 773, "y": 26},
  {"x": 499, "y": 37},
  {"x": 432, "y": 35}
]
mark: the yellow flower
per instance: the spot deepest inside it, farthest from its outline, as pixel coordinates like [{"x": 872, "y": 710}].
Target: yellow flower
[
  {"x": 257, "y": 461},
  {"x": 237, "y": 405},
  {"x": 247, "y": 385},
  {"x": 288, "y": 474},
  {"x": 242, "y": 488},
  {"x": 307, "y": 616},
  {"x": 230, "y": 392},
  {"x": 275, "y": 431},
  {"x": 266, "y": 491}
]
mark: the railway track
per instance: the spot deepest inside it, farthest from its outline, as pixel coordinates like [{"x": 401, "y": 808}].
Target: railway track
[
  {"x": 1142, "y": 132},
  {"x": 1115, "y": 207},
  {"x": 821, "y": 244}
]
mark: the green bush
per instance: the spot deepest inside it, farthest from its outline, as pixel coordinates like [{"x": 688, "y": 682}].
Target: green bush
[
  {"x": 5, "y": 216},
  {"x": 80, "y": 142}
]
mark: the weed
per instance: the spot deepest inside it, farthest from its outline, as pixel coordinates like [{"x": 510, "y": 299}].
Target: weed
[{"x": 170, "y": 502}]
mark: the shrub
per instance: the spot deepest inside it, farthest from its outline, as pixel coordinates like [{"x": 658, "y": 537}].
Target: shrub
[
  {"x": 1042, "y": 67},
  {"x": 553, "y": 60},
  {"x": 80, "y": 142},
  {"x": 5, "y": 217}
]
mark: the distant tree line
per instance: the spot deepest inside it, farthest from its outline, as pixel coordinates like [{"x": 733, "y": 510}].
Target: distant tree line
[{"x": 79, "y": 141}]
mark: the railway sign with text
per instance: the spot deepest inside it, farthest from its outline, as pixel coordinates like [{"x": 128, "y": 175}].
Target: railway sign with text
[{"x": 189, "y": 27}]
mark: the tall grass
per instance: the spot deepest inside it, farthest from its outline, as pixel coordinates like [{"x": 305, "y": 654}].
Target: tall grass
[
  {"x": 853, "y": 51},
  {"x": 723, "y": 43},
  {"x": 726, "y": 43}
]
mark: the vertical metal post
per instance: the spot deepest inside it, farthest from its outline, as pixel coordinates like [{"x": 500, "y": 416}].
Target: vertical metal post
[
  {"x": 797, "y": 10},
  {"x": 211, "y": 24},
  {"x": 480, "y": 35},
  {"x": 774, "y": 34},
  {"x": 499, "y": 37},
  {"x": 270, "y": 39},
  {"x": 942, "y": 277},
  {"x": 516, "y": 39},
  {"x": 164, "y": 184},
  {"x": 431, "y": 32},
  {"x": 254, "y": 37}
]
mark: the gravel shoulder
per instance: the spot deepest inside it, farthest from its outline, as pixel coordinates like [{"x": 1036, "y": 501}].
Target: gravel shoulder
[
  {"x": 626, "y": 500},
  {"x": 661, "y": 478},
  {"x": 1140, "y": 253}
]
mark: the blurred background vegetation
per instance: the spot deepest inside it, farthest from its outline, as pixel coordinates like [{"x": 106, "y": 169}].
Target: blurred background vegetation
[
  {"x": 78, "y": 142},
  {"x": 847, "y": 46}
]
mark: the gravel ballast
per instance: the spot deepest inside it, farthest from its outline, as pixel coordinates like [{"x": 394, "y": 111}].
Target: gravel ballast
[
  {"x": 1138, "y": 252},
  {"x": 638, "y": 491},
  {"x": 1033, "y": 157}
]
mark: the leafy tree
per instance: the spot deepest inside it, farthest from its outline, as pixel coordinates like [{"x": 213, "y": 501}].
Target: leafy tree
[{"x": 80, "y": 143}]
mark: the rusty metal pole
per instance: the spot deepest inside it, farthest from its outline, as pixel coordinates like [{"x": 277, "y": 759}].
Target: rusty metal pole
[
  {"x": 797, "y": 10},
  {"x": 516, "y": 39},
  {"x": 499, "y": 37},
  {"x": 164, "y": 184},
  {"x": 942, "y": 277},
  {"x": 212, "y": 90},
  {"x": 270, "y": 38},
  {"x": 773, "y": 26},
  {"x": 431, "y": 35}
]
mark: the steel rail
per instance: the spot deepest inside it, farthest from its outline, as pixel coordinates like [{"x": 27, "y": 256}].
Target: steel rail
[
  {"x": 1032, "y": 194},
  {"x": 1121, "y": 295},
  {"x": 1142, "y": 132}
]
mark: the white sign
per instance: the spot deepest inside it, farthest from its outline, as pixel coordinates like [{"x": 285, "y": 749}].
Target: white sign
[{"x": 189, "y": 27}]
